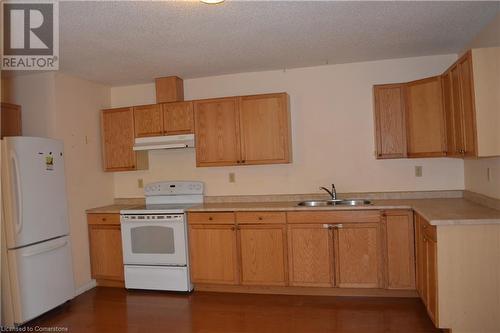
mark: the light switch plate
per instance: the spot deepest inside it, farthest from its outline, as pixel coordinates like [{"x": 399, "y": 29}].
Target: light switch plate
[
  {"x": 232, "y": 177},
  {"x": 140, "y": 183}
]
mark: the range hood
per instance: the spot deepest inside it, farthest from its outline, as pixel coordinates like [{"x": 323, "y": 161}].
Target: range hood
[{"x": 164, "y": 142}]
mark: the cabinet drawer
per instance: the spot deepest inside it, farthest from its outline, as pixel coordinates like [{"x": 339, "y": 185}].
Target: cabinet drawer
[
  {"x": 216, "y": 218},
  {"x": 103, "y": 219},
  {"x": 334, "y": 216},
  {"x": 260, "y": 217}
]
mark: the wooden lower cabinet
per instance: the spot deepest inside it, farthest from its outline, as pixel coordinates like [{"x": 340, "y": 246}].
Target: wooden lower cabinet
[
  {"x": 263, "y": 254},
  {"x": 106, "y": 259},
  {"x": 325, "y": 249},
  {"x": 10, "y": 120},
  {"x": 310, "y": 255},
  {"x": 426, "y": 248},
  {"x": 213, "y": 254},
  {"x": 399, "y": 249},
  {"x": 358, "y": 262}
]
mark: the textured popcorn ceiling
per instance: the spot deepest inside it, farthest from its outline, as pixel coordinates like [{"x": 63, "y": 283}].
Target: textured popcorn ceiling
[{"x": 121, "y": 43}]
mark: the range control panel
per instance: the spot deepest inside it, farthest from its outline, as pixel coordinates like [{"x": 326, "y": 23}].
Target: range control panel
[{"x": 173, "y": 188}]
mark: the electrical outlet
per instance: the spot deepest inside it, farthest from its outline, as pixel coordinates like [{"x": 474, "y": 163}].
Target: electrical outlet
[
  {"x": 232, "y": 177},
  {"x": 418, "y": 170},
  {"x": 140, "y": 183}
]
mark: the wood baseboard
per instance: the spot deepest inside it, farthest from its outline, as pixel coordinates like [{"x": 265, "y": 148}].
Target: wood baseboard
[
  {"x": 110, "y": 283},
  {"x": 309, "y": 291}
]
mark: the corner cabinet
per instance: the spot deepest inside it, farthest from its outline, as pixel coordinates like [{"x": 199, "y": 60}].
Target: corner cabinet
[
  {"x": 427, "y": 279},
  {"x": 454, "y": 114},
  {"x": 243, "y": 130},
  {"x": 117, "y": 132}
]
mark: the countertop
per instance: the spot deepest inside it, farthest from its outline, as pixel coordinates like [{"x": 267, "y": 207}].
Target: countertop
[
  {"x": 449, "y": 211},
  {"x": 439, "y": 212}
]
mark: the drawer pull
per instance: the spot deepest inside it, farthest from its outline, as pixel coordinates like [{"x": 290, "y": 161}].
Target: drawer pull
[
  {"x": 260, "y": 218},
  {"x": 210, "y": 218}
]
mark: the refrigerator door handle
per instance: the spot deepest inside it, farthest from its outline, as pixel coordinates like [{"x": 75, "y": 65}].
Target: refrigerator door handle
[
  {"x": 18, "y": 195},
  {"x": 45, "y": 249}
]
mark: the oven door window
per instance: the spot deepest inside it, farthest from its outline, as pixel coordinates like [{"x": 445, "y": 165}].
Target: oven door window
[{"x": 152, "y": 240}]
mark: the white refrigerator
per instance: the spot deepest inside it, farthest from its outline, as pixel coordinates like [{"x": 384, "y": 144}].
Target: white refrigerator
[{"x": 37, "y": 272}]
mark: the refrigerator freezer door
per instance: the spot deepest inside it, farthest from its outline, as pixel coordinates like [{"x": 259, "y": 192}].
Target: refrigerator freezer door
[
  {"x": 33, "y": 170},
  {"x": 41, "y": 278}
]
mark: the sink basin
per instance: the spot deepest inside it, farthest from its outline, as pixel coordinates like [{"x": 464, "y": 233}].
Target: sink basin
[{"x": 323, "y": 203}]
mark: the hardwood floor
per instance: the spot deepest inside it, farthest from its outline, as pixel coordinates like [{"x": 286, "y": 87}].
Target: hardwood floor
[{"x": 118, "y": 310}]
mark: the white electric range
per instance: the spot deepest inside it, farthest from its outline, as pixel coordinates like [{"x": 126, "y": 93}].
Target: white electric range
[{"x": 154, "y": 237}]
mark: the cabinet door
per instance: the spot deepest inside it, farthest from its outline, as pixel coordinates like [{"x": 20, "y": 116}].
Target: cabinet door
[
  {"x": 263, "y": 254},
  {"x": 148, "y": 120},
  {"x": 358, "y": 255},
  {"x": 431, "y": 274},
  {"x": 264, "y": 123},
  {"x": 468, "y": 105},
  {"x": 213, "y": 254},
  {"x": 425, "y": 118},
  {"x": 400, "y": 250},
  {"x": 310, "y": 255},
  {"x": 458, "y": 119},
  {"x": 421, "y": 254},
  {"x": 217, "y": 132},
  {"x": 451, "y": 146},
  {"x": 106, "y": 257},
  {"x": 118, "y": 139},
  {"x": 178, "y": 118},
  {"x": 390, "y": 130},
  {"x": 10, "y": 118}
]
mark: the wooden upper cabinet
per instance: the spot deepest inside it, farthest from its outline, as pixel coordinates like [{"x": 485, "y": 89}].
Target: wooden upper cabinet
[
  {"x": 390, "y": 131},
  {"x": 451, "y": 144},
  {"x": 425, "y": 118},
  {"x": 178, "y": 118},
  {"x": 264, "y": 123},
  {"x": 213, "y": 254},
  {"x": 263, "y": 254},
  {"x": 148, "y": 120},
  {"x": 458, "y": 117},
  {"x": 400, "y": 253},
  {"x": 242, "y": 130},
  {"x": 217, "y": 132},
  {"x": 10, "y": 118},
  {"x": 310, "y": 255},
  {"x": 117, "y": 126},
  {"x": 468, "y": 105},
  {"x": 169, "y": 89},
  {"x": 358, "y": 259}
]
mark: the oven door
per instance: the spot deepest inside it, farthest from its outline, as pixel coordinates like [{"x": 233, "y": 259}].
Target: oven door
[{"x": 154, "y": 242}]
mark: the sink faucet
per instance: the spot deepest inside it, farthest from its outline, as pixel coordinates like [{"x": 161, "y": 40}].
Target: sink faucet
[{"x": 333, "y": 192}]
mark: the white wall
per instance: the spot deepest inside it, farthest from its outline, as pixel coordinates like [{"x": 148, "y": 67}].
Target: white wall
[
  {"x": 332, "y": 133},
  {"x": 67, "y": 108},
  {"x": 35, "y": 93},
  {"x": 476, "y": 171}
]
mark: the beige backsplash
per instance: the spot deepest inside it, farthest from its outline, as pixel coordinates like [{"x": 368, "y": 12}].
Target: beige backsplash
[{"x": 313, "y": 196}]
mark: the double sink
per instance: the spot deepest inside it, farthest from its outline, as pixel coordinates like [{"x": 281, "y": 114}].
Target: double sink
[{"x": 338, "y": 202}]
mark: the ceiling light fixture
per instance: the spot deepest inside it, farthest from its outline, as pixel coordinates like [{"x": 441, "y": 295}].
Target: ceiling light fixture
[{"x": 212, "y": 2}]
